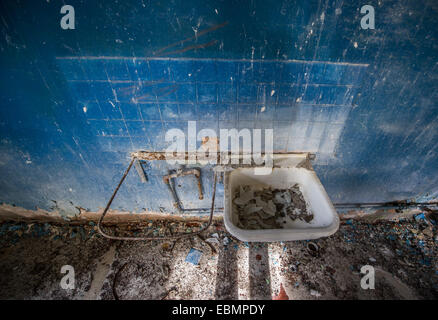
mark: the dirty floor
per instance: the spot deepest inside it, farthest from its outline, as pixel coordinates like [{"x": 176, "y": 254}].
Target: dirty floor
[{"x": 403, "y": 254}]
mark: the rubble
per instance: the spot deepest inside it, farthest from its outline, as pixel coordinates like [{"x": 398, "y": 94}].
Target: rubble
[
  {"x": 31, "y": 256},
  {"x": 269, "y": 208}
]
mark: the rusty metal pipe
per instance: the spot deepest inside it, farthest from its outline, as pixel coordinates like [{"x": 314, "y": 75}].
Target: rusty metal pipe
[
  {"x": 181, "y": 173},
  {"x": 177, "y": 236}
]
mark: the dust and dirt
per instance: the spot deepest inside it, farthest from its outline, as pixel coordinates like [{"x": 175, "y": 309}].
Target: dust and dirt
[{"x": 403, "y": 253}]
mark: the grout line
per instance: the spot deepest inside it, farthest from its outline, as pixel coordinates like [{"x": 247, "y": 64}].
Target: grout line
[
  {"x": 210, "y": 59},
  {"x": 155, "y": 82}
]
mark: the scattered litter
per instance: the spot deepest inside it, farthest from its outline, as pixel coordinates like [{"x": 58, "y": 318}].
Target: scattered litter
[
  {"x": 312, "y": 247},
  {"x": 212, "y": 240},
  {"x": 428, "y": 232},
  {"x": 212, "y": 248},
  {"x": 165, "y": 269},
  {"x": 282, "y": 295},
  {"x": 411, "y": 255},
  {"x": 386, "y": 251},
  {"x": 432, "y": 216},
  {"x": 194, "y": 256},
  {"x": 315, "y": 293}
]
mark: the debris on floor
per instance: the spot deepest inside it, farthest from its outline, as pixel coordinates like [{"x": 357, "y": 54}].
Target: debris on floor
[
  {"x": 193, "y": 256},
  {"x": 282, "y": 295},
  {"x": 404, "y": 254}
]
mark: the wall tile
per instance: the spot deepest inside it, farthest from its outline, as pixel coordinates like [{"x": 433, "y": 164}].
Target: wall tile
[
  {"x": 149, "y": 111},
  {"x": 306, "y": 103}
]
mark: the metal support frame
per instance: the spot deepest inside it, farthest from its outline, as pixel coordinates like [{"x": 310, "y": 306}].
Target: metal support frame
[
  {"x": 136, "y": 157},
  {"x": 178, "y": 236},
  {"x": 180, "y": 173}
]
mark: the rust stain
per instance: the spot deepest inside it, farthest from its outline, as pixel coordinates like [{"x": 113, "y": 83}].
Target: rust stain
[
  {"x": 145, "y": 155},
  {"x": 181, "y": 42},
  {"x": 126, "y": 89},
  {"x": 143, "y": 97},
  {"x": 19, "y": 214},
  {"x": 198, "y": 46},
  {"x": 161, "y": 92}
]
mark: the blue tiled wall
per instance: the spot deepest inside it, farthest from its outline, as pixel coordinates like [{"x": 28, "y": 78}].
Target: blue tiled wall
[
  {"x": 74, "y": 103},
  {"x": 134, "y": 101}
]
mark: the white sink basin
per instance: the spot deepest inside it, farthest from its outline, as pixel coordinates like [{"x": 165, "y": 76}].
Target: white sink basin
[{"x": 324, "y": 223}]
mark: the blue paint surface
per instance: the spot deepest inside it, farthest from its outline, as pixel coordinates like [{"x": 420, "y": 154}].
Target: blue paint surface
[
  {"x": 133, "y": 113},
  {"x": 76, "y": 102}
]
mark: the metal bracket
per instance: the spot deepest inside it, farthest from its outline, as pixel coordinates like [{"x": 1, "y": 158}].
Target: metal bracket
[
  {"x": 140, "y": 170},
  {"x": 180, "y": 173}
]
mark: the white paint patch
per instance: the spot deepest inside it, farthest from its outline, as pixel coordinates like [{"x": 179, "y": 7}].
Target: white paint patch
[{"x": 100, "y": 274}]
